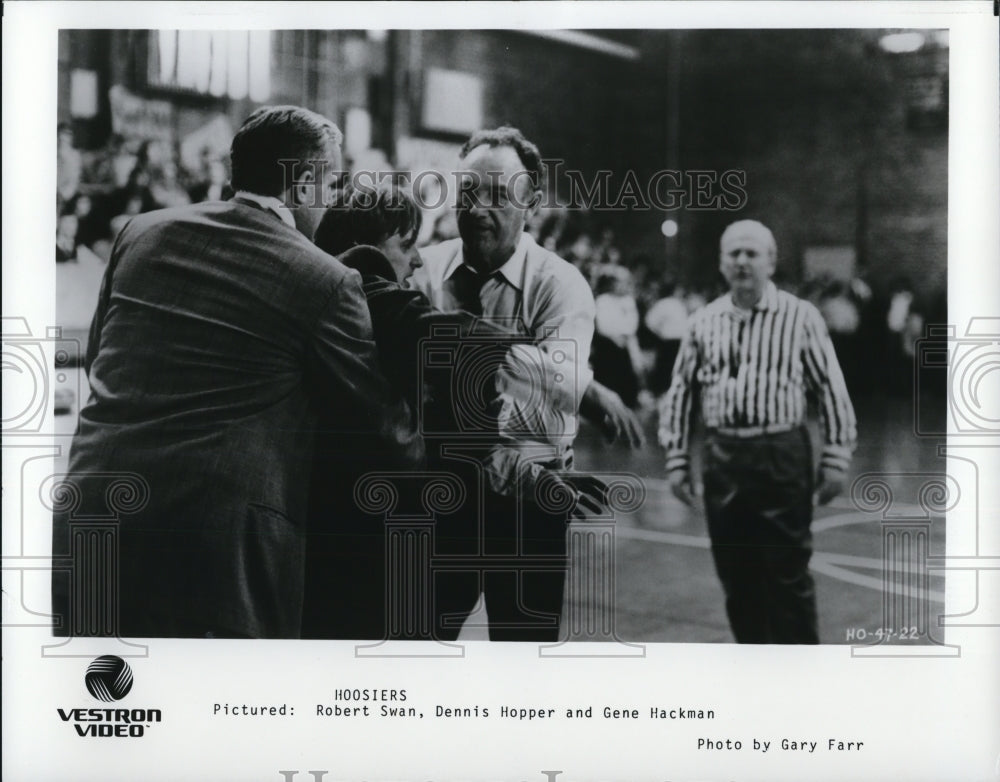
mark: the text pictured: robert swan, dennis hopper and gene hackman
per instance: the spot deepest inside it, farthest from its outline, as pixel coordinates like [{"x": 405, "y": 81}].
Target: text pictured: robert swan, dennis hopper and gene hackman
[{"x": 263, "y": 379}]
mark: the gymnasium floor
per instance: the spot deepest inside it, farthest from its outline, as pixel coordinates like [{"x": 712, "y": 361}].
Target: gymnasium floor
[
  {"x": 665, "y": 582},
  {"x": 665, "y": 587}
]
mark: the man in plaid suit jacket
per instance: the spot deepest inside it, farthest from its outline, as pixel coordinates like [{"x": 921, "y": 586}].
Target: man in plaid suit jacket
[{"x": 221, "y": 334}]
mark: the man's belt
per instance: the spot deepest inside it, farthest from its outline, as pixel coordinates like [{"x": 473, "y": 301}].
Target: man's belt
[
  {"x": 744, "y": 432},
  {"x": 549, "y": 456}
]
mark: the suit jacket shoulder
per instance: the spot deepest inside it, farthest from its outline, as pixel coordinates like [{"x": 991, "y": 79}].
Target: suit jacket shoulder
[{"x": 236, "y": 239}]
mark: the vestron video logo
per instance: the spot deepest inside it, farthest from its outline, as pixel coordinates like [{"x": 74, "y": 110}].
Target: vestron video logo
[{"x": 109, "y": 678}]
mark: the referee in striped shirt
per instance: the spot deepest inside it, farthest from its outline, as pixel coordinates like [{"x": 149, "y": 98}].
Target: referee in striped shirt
[{"x": 749, "y": 358}]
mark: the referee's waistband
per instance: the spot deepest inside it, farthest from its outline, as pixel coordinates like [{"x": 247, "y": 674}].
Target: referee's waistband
[{"x": 744, "y": 432}]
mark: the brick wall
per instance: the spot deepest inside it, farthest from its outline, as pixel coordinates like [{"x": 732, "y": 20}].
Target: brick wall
[{"x": 820, "y": 122}]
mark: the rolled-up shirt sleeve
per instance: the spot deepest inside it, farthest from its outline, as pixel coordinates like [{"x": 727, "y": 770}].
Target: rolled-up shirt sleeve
[
  {"x": 566, "y": 323},
  {"x": 527, "y": 368},
  {"x": 825, "y": 380}
]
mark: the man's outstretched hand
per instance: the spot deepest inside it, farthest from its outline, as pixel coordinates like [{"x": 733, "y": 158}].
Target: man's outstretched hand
[
  {"x": 681, "y": 486},
  {"x": 584, "y": 495},
  {"x": 831, "y": 483},
  {"x": 605, "y": 408}
]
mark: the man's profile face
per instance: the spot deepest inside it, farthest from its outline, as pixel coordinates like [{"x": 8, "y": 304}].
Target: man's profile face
[
  {"x": 402, "y": 254},
  {"x": 492, "y": 211},
  {"x": 747, "y": 261}
]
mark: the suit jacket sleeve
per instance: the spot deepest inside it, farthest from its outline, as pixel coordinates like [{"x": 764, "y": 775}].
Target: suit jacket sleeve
[
  {"x": 103, "y": 299},
  {"x": 346, "y": 354}
]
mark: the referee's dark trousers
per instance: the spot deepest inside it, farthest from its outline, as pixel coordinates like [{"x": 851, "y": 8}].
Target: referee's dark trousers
[{"x": 758, "y": 499}]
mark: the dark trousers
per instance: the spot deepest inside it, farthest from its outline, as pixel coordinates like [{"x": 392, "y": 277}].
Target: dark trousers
[
  {"x": 758, "y": 498},
  {"x": 613, "y": 367},
  {"x": 663, "y": 367},
  {"x": 345, "y": 584},
  {"x": 517, "y": 560}
]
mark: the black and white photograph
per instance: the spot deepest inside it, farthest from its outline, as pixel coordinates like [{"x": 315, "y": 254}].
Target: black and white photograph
[
  {"x": 431, "y": 373},
  {"x": 659, "y": 266}
]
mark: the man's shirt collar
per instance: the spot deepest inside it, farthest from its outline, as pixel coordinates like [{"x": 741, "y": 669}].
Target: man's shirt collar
[
  {"x": 271, "y": 203},
  {"x": 512, "y": 270},
  {"x": 768, "y": 300}
]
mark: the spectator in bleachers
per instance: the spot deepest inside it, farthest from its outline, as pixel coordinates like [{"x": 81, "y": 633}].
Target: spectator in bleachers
[
  {"x": 213, "y": 186},
  {"x": 69, "y": 165},
  {"x": 580, "y": 252},
  {"x": 133, "y": 206},
  {"x": 667, "y": 321},
  {"x": 899, "y": 320},
  {"x": 66, "y": 230},
  {"x": 694, "y": 300},
  {"x": 148, "y": 159},
  {"x": 111, "y": 168},
  {"x": 89, "y": 230},
  {"x": 615, "y": 354},
  {"x": 605, "y": 250},
  {"x": 841, "y": 310},
  {"x": 548, "y": 225},
  {"x": 164, "y": 190}
]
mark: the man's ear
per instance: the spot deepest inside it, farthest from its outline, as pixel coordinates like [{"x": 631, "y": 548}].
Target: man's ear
[
  {"x": 303, "y": 191},
  {"x": 534, "y": 202}
]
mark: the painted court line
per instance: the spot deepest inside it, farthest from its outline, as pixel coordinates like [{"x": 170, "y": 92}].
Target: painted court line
[{"x": 831, "y": 564}]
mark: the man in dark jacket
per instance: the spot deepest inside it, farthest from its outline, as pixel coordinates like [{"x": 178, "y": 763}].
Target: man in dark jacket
[{"x": 220, "y": 334}]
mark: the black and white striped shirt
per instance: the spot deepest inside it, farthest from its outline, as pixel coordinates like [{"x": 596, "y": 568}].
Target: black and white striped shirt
[{"x": 752, "y": 369}]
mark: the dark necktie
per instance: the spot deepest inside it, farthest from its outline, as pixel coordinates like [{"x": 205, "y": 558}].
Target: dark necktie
[
  {"x": 478, "y": 404},
  {"x": 466, "y": 284}
]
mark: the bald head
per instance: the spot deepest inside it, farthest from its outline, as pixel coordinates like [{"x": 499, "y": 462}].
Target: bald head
[
  {"x": 749, "y": 229},
  {"x": 747, "y": 256}
]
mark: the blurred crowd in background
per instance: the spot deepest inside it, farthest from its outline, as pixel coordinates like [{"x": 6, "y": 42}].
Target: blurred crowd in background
[
  {"x": 98, "y": 192},
  {"x": 642, "y": 305}
]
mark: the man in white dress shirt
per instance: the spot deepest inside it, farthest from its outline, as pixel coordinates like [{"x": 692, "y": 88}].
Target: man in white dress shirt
[{"x": 517, "y": 543}]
